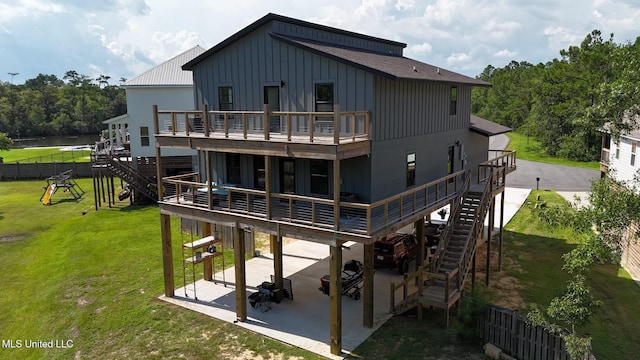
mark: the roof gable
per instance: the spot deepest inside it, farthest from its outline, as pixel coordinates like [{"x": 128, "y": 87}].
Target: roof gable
[
  {"x": 275, "y": 17},
  {"x": 169, "y": 73}
]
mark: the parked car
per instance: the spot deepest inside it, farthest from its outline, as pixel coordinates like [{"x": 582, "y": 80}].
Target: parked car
[{"x": 395, "y": 252}]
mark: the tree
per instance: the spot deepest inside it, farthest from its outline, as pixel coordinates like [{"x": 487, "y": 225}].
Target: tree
[
  {"x": 5, "y": 141},
  {"x": 603, "y": 223}
]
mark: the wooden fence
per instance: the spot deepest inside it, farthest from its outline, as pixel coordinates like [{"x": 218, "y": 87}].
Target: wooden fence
[
  {"x": 508, "y": 330},
  {"x": 19, "y": 171}
]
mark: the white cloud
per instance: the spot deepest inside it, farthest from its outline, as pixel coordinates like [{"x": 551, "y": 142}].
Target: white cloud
[
  {"x": 424, "y": 48},
  {"x": 458, "y": 59},
  {"x": 443, "y": 11},
  {"x": 405, "y": 4},
  {"x": 504, "y": 53},
  {"x": 28, "y": 9}
]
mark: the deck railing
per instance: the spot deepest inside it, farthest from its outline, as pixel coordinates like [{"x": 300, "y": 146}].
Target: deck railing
[
  {"x": 189, "y": 190},
  {"x": 506, "y": 158},
  {"x": 292, "y": 126}
]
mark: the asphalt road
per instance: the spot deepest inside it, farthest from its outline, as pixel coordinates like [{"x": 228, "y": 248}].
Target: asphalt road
[{"x": 552, "y": 177}]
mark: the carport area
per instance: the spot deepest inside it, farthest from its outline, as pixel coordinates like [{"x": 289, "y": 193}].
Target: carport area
[{"x": 303, "y": 321}]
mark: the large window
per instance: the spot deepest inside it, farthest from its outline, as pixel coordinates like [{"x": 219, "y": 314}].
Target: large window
[
  {"x": 320, "y": 177},
  {"x": 225, "y": 98},
  {"x": 411, "y": 169},
  {"x": 454, "y": 100},
  {"x": 233, "y": 169},
  {"x": 144, "y": 136}
]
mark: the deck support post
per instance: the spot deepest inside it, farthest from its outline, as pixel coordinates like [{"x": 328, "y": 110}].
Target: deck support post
[
  {"x": 335, "y": 298},
  {"x": 275, "y": 242},
  {"x": 167, "y": 255},
  {"x": 501, "y": 231},
  {"x": 367, "y": 291},
  {"x": 241, "y": 281},
  {"x": 492, "y": 208},
  {"x": 420, "y": 230}
]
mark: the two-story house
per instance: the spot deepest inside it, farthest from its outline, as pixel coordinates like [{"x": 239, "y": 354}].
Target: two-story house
[
  {"x": 619, "y": 160},
  {"x": 128, "y": 150},
  {"x": 325, "y": 135}
]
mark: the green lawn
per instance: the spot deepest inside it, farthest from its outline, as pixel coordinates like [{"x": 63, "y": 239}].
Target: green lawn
[
  {"x": 529, "y": 149},
  {"x": 534, "y": 253},
  {"x": 44, "y": 155},
  {"x": 94, "y": 279}
]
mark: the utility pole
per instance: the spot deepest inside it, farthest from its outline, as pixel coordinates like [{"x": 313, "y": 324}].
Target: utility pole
[{"x": 12, "y": 75}]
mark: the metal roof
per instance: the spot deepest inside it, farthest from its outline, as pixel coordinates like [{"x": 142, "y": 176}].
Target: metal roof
[
  {"x": 169, "y": 73},
  {"x": 390, "y": 66},
  {"x": 486, "y": 127}
]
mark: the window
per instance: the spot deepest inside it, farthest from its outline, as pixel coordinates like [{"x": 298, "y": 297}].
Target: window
[
  {"x": 259, "y": 173},
  {"x": 233, "y": 169},
  {"x": 324, "y": 103},
  {"x": 454, "y": 100},
  {"x": 225, "y": 98},
  {"x": 617, "y": 151},
  {"x": 144, "y": 136},
  {"x": 320, "y": 177},
  {"x": 633, "y": 153},
  {"x": 411, "y": 169}
]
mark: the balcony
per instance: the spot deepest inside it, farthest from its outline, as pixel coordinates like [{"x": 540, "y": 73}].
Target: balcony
[
  {"x": 191, "y": 194},
  {"x": 335, "y": 135}
]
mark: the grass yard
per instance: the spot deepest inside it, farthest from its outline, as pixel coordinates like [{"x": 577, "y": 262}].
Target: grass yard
[
  {"x": 45, "y": 154},
  {"x": 533, "y": 254},
  {"x": 94, "y": 279},
  {"x": 529, "y": 149}
]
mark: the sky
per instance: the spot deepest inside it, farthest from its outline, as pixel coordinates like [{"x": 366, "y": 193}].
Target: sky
[{"x": 124, "y": 38}]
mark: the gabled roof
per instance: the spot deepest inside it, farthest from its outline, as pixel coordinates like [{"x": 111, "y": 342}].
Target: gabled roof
[
  {"x": 270, "y": 17},
  {"x": 116, "y": 119},
  {"x": 486, "y": 127},
  {"x": 169, "y": 73},
  {"x": 389, "y": 66}
]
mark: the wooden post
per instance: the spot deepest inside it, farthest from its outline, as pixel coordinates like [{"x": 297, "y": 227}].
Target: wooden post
[
  {"x": 267, "y": 184},
  {"x": 489, "y": 233},
  {"x": 241, "y": 281},
  {"x": 367, "y": 296},
  {"x": 473, "y": 272},
  {"x": 420, "y": 230},
  {"x": 276, "y": 241},
  {"x": 336, "y": 194},
  {"x": 335, "y": 299},
  {"x": 205, "y": 119},
  {"x": 267, "y": 122},
  {"x": 336, "y": 124},
  {"x": 501, "y": 230},
  {"x": 207, "y": 177},
  {"x": 167, "y": 255}
]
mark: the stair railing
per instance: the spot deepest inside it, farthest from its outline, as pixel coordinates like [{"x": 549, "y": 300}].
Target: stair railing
[
  {"x": 478, "y": 224},
  {"x": 139, "y": 182},
  {"x": 447, "y": 233}
]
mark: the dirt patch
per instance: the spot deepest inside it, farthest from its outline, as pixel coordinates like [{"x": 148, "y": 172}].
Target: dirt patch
[
  {"x": 7, "y": 239},
  {"x": 507, "y": 288}
]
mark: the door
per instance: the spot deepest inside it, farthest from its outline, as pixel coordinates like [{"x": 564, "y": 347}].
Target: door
[
  {"x": 287, "y": 176},
  {"x": 272, "y": 98}
]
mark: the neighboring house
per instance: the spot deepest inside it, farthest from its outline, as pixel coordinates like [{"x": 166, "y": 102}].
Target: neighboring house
[
  {"x": 326, "y": 135},
  {"x": 127, "y": 149},
  {"x": 619, "y": 158}
]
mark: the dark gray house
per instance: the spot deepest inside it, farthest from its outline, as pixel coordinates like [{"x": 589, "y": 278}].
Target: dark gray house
[{"x": 326, "y": 135}]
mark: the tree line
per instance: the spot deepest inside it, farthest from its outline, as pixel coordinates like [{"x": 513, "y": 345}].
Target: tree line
[
  {"x": 565, "y": 102},
  {"x": 47, "y": 105}
]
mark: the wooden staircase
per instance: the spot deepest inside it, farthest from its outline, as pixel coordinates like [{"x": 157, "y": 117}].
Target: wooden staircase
[
  {"x": 143, "y": 185},
  {"x": 453, "y": 258}
]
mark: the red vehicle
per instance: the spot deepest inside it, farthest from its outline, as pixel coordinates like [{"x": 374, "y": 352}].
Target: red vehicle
[{"x": 395, "y": 252}]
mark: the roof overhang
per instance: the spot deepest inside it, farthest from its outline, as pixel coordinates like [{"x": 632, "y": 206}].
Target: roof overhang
[
  {"x": 117, "y": 119},
  {"x": 486, "y": 127}
]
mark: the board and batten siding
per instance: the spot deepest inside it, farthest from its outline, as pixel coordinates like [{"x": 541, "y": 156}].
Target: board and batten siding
[
  {"x": 410, "y": 108},
  {"x": 257, "y": 60}
]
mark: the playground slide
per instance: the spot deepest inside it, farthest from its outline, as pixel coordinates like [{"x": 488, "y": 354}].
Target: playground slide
[{"x": 46, "y": 198}]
